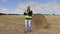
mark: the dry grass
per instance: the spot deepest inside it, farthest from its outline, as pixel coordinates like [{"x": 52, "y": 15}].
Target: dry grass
[
  {"x": 15, "y": 25},
  {"x": 11, "y": 24}
]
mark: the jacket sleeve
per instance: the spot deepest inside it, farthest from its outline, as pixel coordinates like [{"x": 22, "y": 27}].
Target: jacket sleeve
[
  {"x": 30, "y": 13},
  {"x": 25, "y": 13}
]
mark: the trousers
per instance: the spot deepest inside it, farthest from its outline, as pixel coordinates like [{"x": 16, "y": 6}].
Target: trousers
[{"x": 27, "y": 25}]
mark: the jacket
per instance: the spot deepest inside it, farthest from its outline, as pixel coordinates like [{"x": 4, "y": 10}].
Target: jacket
[{"x": 28, "y": 15}]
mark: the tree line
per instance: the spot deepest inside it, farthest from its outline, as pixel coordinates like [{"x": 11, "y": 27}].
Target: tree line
[{"x": 8, "y": 14}]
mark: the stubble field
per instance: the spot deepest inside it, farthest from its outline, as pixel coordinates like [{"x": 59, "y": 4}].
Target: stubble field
[{"x": 15, "y": 25}]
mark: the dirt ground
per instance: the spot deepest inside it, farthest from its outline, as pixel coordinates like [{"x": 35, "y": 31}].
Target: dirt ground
[{"x": 15, "y": 25}]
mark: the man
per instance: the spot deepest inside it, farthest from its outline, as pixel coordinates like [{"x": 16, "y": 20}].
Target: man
[{"x": 28, "y": 16}]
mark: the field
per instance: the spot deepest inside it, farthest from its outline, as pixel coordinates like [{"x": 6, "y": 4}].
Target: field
[{"x": 15, "y": 25}]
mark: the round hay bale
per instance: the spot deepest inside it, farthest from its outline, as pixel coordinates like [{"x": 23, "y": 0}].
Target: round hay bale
[{"x": 38, "y": 21}]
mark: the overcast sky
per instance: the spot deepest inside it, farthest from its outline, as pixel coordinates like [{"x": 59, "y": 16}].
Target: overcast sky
[{"x": 37, "y": 6}]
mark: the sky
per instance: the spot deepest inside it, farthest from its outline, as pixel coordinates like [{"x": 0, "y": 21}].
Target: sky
[{"x": 37, "y": 6}]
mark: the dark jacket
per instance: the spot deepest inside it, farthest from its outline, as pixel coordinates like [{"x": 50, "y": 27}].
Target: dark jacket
[{"x": 29, "y": 13}]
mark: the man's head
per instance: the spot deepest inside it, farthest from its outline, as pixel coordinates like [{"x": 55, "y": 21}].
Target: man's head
[{"x": 28, "y": 7}]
